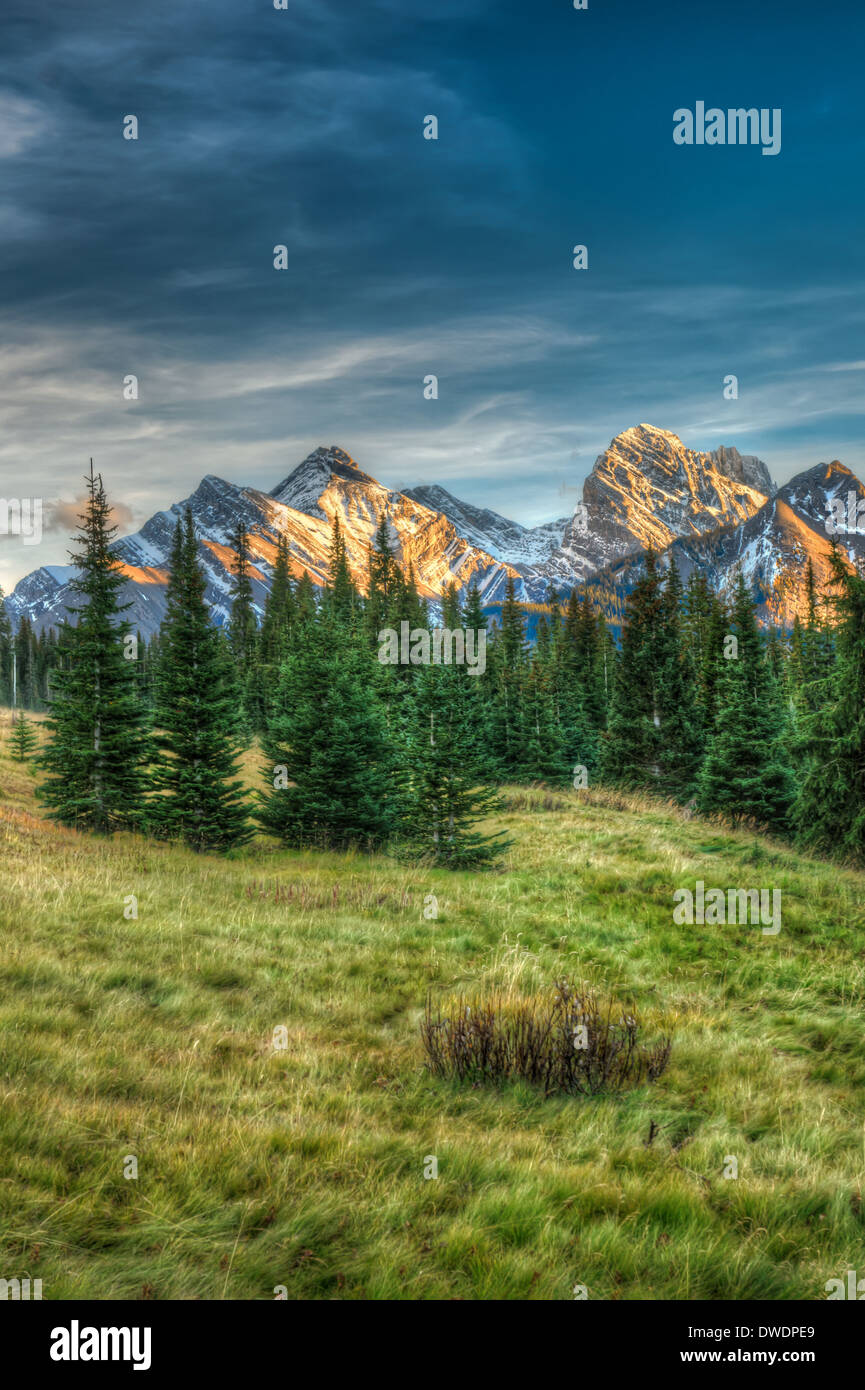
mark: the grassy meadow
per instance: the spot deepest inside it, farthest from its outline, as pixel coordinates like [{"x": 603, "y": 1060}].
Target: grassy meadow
[{"x": 304, "y": 1167}]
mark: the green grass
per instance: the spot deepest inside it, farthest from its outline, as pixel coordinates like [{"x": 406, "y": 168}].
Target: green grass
[{"x": 304, "y": 1167}]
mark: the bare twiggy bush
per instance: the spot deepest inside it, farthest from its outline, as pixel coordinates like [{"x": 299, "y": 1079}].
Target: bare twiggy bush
[{"x": 564, "y": 1041}]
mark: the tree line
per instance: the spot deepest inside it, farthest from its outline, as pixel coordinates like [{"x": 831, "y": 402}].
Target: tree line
[{"x": 695, "y": 704}]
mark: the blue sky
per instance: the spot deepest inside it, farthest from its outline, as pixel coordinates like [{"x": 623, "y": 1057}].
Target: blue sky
[{"x": 406, "y": 256}]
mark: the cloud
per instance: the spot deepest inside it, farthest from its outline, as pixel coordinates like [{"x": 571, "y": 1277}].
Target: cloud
[
  {"x": 21, "y": 122},
  {"x": 66, "y": 516}
]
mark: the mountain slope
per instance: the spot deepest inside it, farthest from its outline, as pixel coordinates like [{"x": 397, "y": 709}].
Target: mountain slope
[
  {"x": 327, "y": 484},
  {"x": 772, "y": 547},
  {"x": 504, "y": 539},
  {"x": 716, "y": 509},
  {"x": 647, "y": 488}
]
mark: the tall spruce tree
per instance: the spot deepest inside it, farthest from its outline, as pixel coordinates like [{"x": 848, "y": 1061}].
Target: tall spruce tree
[
  {"x": 829, "y": 812},
  {"x": 5, "y": 654},
  {"x": 445, "y": 797},
  {"x": 243, "y": 633},
  {"x": 340, "y": 596},
  {"x": 274, "y": 638},
  {"x": 746, "y": 774},
  {"x": 631, "y": 746},
  {"x": 202, "y": 803},
  {"x": 242, "y": 628},
  {"x": 508, "y": 666},
  {"x": 330, "y": 777},
  {"x": 581, "y": 684},
  {"x": 98, "y": 748},
  {"x": 545, "y": 756},
  {"x": 681, "y": 743},
  {"x": 23, "y": 739}
]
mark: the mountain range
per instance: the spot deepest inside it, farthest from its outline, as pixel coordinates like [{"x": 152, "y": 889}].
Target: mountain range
[{"x": 714, "y": 511}]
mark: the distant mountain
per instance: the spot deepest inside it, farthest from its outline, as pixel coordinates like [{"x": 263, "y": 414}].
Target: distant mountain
[
  {"x": 326, "y": 484},
  {"x": 506, "y": 540},
  {"x": 648, "y": 489},
  {"x": 716, "y": 509},
  {"x": 772, "y": 547}
]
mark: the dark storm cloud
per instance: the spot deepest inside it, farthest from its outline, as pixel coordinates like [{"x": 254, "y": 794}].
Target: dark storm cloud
[{"x": 258, "y": 127}]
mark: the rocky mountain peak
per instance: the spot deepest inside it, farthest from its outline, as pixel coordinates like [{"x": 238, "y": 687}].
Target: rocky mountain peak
[
  {"x": 305, "y": 484},
  {"x": 744, "y": 468}
]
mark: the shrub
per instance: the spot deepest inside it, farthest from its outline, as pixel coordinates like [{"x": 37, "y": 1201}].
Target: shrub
[{"x": 565, "y": 1041}]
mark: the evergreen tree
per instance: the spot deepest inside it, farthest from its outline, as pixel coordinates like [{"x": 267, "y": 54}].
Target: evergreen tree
[
  {"x": 545, "y": 756},
  {"x": 811, "y": 653},
  {"x": 445, "y": 799},
  {"x": 243, "y": 635},
  {"x": 653, "y": 738},
  {"x": 705, "y": 625},
  {"x": 829, "y": 813},
  {"x": 681, "y": 746},
  {"x": 279, "y": 609},
  {"x": 507, "y": 662},
  {"x": 340, "y": 595},
  {"x": 382, "y": 580},
  {"x": 24, "y": 648},
  {"x": 331, "y": 775},
  {"x": 580, "y": 680},
  {"x": 23, "y": 739},
  {"x": 631, "y": 746},
  {"x": 202, "y": 803},
  {"x": 305, "y": 604},
  {"x": 242, "y": 629},
  {"x": 5, "y": 654},
  {"x": 478, "y": 689},
  {"x": 746, "y": 774},
  {"x": 97, "y": 749},
  {"x": 274, "y": 639}
]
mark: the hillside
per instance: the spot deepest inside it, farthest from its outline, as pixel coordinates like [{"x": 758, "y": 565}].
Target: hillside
[{"x": 304, "y": 1168}]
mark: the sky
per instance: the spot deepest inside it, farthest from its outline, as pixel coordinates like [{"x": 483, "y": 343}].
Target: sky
[{"x": 408, "y": 257}]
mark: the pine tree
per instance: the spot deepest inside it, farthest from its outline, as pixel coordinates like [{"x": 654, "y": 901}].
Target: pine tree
[
  {"x": 445, "y": 798},
  {"x": 631, "y": 746},
  {"x": 580, "y": 681},
  {"x": 242, "y": 629},
  {"x": 811, "y": 653},
  {"x": 478, "y": 689},
  {"x": 279, "y": 609},
  {"x": 5, "y": 654},
  {"x": 243, "y": 635},
  {"x": 23, "y": 739},
  {"x": 705, "y": 624},
  {"x": 746, "y": 774},
  {"x": 98, "y": 748},
  {"x": 341, "y": 596},
  {"x": 25, "y": 664},
  {"x": 545, "y": 756},
  {"x": 507, "y": 662},
  {"x": 829, "y": 813},
  {"x": 196, "y": 687},
  {"x": 274, "y": 639},
  {"x": 382, "y": 579},
  {"x": 681, "y": 744},
  {"x": 331, "y": 775}
]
